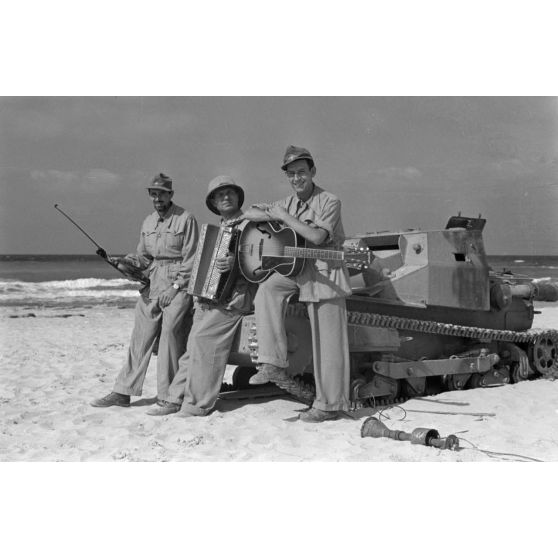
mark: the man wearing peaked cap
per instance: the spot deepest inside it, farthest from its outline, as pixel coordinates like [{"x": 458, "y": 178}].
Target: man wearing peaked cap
[
  {"x": 294, "y": 153},
  {"x": 315, "y": 214},
  {"x": 197, "y": 383},
  {"x": 165, "y": 253},
  {"x": 161, "y": 182}
]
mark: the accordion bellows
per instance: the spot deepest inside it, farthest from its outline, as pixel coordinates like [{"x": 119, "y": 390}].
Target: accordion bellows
[{"x": 206, "y": 281}]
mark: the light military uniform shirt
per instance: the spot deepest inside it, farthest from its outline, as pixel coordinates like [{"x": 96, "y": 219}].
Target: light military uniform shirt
[
  {"x": 320, "y": 279},
  {"x": 166, "y": 249}
]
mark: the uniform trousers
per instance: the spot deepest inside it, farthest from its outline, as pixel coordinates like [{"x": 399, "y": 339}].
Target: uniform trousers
[
  {"x": 330, "y": 348},
  {"x": 202, "y": 367},
  {"x": 173, "y": 322}
]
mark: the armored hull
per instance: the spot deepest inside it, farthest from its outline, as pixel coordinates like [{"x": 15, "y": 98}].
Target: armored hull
[{"x": 428, "y": 315}]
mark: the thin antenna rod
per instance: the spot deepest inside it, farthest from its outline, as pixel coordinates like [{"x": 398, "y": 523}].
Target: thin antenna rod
[
  {"x": 134, "y": 274},
  {"x": 70, "y": 219}
]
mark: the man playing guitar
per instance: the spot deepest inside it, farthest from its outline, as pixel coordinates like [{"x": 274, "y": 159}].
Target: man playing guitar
[{"x": 315, "y": 215}]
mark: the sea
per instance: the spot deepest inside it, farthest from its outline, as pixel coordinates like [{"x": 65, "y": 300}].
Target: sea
[
  {"x": 72, "y": 281},
  {"x": 63, "y": 281}
]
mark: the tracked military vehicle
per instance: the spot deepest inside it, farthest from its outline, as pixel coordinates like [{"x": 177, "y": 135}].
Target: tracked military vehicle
[{"x": 427, "y": 315}]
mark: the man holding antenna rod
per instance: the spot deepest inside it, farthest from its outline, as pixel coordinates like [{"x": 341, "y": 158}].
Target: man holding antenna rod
[{"x": 165, "y": 252}]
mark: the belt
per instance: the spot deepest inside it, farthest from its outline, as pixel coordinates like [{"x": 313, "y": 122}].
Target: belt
[{"x": 158, "y": 262}]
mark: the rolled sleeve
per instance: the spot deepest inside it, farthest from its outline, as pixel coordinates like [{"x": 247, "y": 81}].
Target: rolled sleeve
[
  {"x": 285, "y": 203},
  {"x": 329, "y": 218}
]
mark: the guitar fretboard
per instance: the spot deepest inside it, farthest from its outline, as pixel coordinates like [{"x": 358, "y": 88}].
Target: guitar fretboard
[{"x": 291, "y": 251}]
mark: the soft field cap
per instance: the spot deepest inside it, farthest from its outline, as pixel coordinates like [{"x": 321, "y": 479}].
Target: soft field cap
[
  {"x": 161, "y": 182},
  {"x": 295, "y": 153}
]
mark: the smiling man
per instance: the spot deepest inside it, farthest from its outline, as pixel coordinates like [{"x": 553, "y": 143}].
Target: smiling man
[
  {"x": 316, "y": 215},
  {"x": 165, "y": 252}
]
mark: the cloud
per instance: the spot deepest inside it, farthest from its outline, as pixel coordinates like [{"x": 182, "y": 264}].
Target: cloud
[
  {"x": 101, "y": 177},
  {"x": 54, "y": 180},
  {"x": 64, "y": 181}
]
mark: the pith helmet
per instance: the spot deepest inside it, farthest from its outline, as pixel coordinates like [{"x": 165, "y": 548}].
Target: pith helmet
[
  {"x": 222, "y": 182},
  {"x": 295, "y": 153},
  {"x": 161, "y": 182}
]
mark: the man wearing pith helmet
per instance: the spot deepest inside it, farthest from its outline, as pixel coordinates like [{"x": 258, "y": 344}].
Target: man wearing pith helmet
[
  {"x": 196, "y": 386},
  {"x": 165, "y": 253},
  {"x": 315, "y": 214}
]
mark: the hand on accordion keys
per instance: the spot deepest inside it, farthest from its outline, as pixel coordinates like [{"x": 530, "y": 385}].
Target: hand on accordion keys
[{"x": 225, "y": 264}]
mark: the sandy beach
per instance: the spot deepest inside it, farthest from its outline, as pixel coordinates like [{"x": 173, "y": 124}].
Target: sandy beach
[{"x": 54, "y": 362}]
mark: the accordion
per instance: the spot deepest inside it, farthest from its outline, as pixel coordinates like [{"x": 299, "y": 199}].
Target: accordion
[{"x": 206, "y": 281}]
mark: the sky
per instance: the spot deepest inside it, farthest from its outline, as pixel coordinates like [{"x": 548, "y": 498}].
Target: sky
[{"x": 395, "y": 162}]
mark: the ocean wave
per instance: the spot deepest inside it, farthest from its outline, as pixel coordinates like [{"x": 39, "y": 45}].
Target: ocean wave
[
  {"x": 76, "y": 284},
  {"x": 68, "y": 295},
  {"x": 90, "y": 290}
]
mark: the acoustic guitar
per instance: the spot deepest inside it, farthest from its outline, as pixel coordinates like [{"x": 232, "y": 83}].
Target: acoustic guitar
[{"x": 264, "y": 248}]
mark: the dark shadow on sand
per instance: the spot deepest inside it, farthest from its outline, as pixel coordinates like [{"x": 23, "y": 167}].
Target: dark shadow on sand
[
  {"x": 245, "y": 398},
  {"x": 144, "y": 402}
]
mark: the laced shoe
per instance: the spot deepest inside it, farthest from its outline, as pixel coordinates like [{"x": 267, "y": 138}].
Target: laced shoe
[
  {"x": 268, "y": 373},
  {"x": 113, "y": 398},
  {"x": 164, "y": 408}
]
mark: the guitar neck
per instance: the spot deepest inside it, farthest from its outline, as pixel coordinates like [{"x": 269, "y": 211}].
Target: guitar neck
[{"x": 314, "y": 253}]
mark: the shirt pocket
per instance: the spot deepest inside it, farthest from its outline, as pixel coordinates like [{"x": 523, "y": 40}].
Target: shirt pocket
[
  {"x": 175, "y": 240},
  {"x": 150, "y": 241}
]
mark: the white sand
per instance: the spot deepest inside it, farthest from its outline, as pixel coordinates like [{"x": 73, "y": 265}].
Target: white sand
[{"x": 52, "y": 366}]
